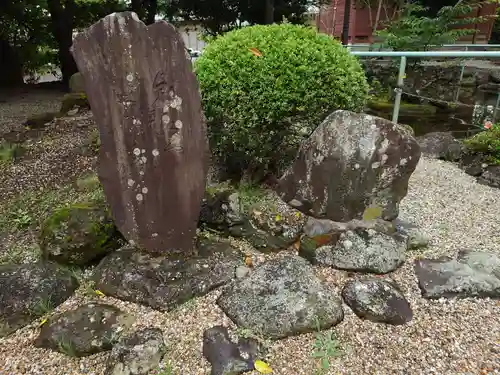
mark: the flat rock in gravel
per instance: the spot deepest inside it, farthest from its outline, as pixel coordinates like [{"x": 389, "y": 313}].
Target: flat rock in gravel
[
  {"x": 470, "y": 274},
  {"x": 350, "y": 163},
  {"x": 263, "y": 241},
  {"x": 440, "y": 145},
  {"x": 280, "y": 298},
  {"x": 164, "y": 282},
  {"x": 491, "y": 176},
  {"x": 413, "y": 235},
  {"x": 89, "y": 329},
  {"x": 154, "y": 149},
  {"x": 137, "y": 354},
  {"x": 226, "y": 356},
  {"x": 377, "y": 300},
  {"x": 28, "y": 290},
  {"x": 363, "y": 250}
]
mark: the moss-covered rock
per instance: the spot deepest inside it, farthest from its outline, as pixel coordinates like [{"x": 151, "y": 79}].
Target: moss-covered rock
[
  {"x": 76, "y": 83},
  {"x": 487, "y": 143},
  {"x": 79, "y": 234},
  {"x": 40, "y": 120},
  {"x": 73, "y": 100}
]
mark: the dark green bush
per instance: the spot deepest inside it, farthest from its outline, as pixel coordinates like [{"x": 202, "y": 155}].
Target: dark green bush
[{"x": 265, "y": 88}]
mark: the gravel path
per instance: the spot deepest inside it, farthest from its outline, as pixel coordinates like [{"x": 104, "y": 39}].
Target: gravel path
[{"x": 445, "y": 337}]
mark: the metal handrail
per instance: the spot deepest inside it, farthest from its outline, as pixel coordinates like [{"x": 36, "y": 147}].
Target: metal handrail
[
  {"x": 489, "y": 54},
  {"x": 402, "y": 67}
]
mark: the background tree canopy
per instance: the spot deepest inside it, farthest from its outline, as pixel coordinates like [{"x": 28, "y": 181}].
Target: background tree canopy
[{"x": 36, "y": 33}]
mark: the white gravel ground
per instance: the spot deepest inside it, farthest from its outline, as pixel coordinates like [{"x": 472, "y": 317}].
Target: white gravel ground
[{"x": 445, "y": 337}]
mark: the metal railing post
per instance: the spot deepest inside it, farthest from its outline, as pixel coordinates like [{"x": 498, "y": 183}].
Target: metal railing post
[
  {"x": 399, "y": 89},
  {"x": 497, "y": 104},
  {"x": 462, "y": 71}
]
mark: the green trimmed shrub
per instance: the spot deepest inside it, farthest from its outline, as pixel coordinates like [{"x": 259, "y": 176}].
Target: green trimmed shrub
[
  {"x": 486, "y": 142},
  {"x": 266, "y": 88}
]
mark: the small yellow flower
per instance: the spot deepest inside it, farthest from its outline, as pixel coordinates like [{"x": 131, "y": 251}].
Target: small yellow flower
[
  {"x": 278, "y": 218},
  {"x": 297, "y": 214},
  {"x": 99, "y": 293},
  {"x": 262, "y": 367},
  {"x": 42, "y": 322}
]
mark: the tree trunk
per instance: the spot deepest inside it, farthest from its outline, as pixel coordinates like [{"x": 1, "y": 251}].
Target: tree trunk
[
  {"x": 269, "y": 19},
  {"x": 377, "y": 20},
  {"x": 377, "y": 17},
  {"x": 138, "y": 7},
  {"x": 10, "y": 66},
  {"x": 62, "y": 17},
  {"x": 152, "y": 10},
  {"x": 347, "y": 19}
]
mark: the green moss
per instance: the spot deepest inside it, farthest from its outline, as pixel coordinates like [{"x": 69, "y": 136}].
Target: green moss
[
  {"x": 78, "y": 233},
  {"x": 88, "y": 183},
  {"x": 10, "y": 152},
  {"x": 250, "y": 194},
  {"x": 407, "y": 109},
  {"x": 72, "y": 100},
  {"x": 486, "y": 142}
]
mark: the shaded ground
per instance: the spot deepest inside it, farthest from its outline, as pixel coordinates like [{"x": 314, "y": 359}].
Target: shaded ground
[{"x": 52, "y": 158}]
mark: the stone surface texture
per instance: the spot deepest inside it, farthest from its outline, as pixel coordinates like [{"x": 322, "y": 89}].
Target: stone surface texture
[
  {"x": 377, "y": 300},
  {"x": 154, "y": 155},
  {"x": 226, "y": 356},
  {"x": 363, "y": 250},
  {"x": 351, "y": 162},
  {"x": 281, "y": 298},
  {"x": 27, "y": 291},
  {"x": 164, "y": 282},
  {"x": 89, "y": 329},
  {"x": 470, "y": 274},
  {"x": 441, "y": 145},
  {"x": 137, "y": 354},
  {"x": 79, "y": 234}
]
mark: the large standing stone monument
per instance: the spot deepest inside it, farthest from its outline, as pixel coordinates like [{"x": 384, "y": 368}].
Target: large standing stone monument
[{"x": 154, "y": 151}]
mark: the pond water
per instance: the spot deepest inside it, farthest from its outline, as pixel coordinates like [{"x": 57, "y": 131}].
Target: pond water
[{"x": 462, "y": 121}]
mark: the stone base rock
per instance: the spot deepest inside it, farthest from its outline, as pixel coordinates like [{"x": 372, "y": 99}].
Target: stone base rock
[
  {"x": 28, "y": 290},
  {"x": 89, "y": 329},
  {"x": 137, "y": 354},
  {"x": 377, "y": 300},
  {"x": 228, "y": 357},
  {"x": 362, "y": 250},
  {"x": 413, "y": 236},
  {"x": 280, "y": 298},
  {"x": 164, "y": 282},
  {"x": 440, "y": 145},
  {"x": 261, "y": 240},
  {"x": 471, "y": 274}
]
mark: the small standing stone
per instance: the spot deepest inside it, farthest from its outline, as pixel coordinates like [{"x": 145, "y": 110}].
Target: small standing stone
[{"x": 154, "y": 150}]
